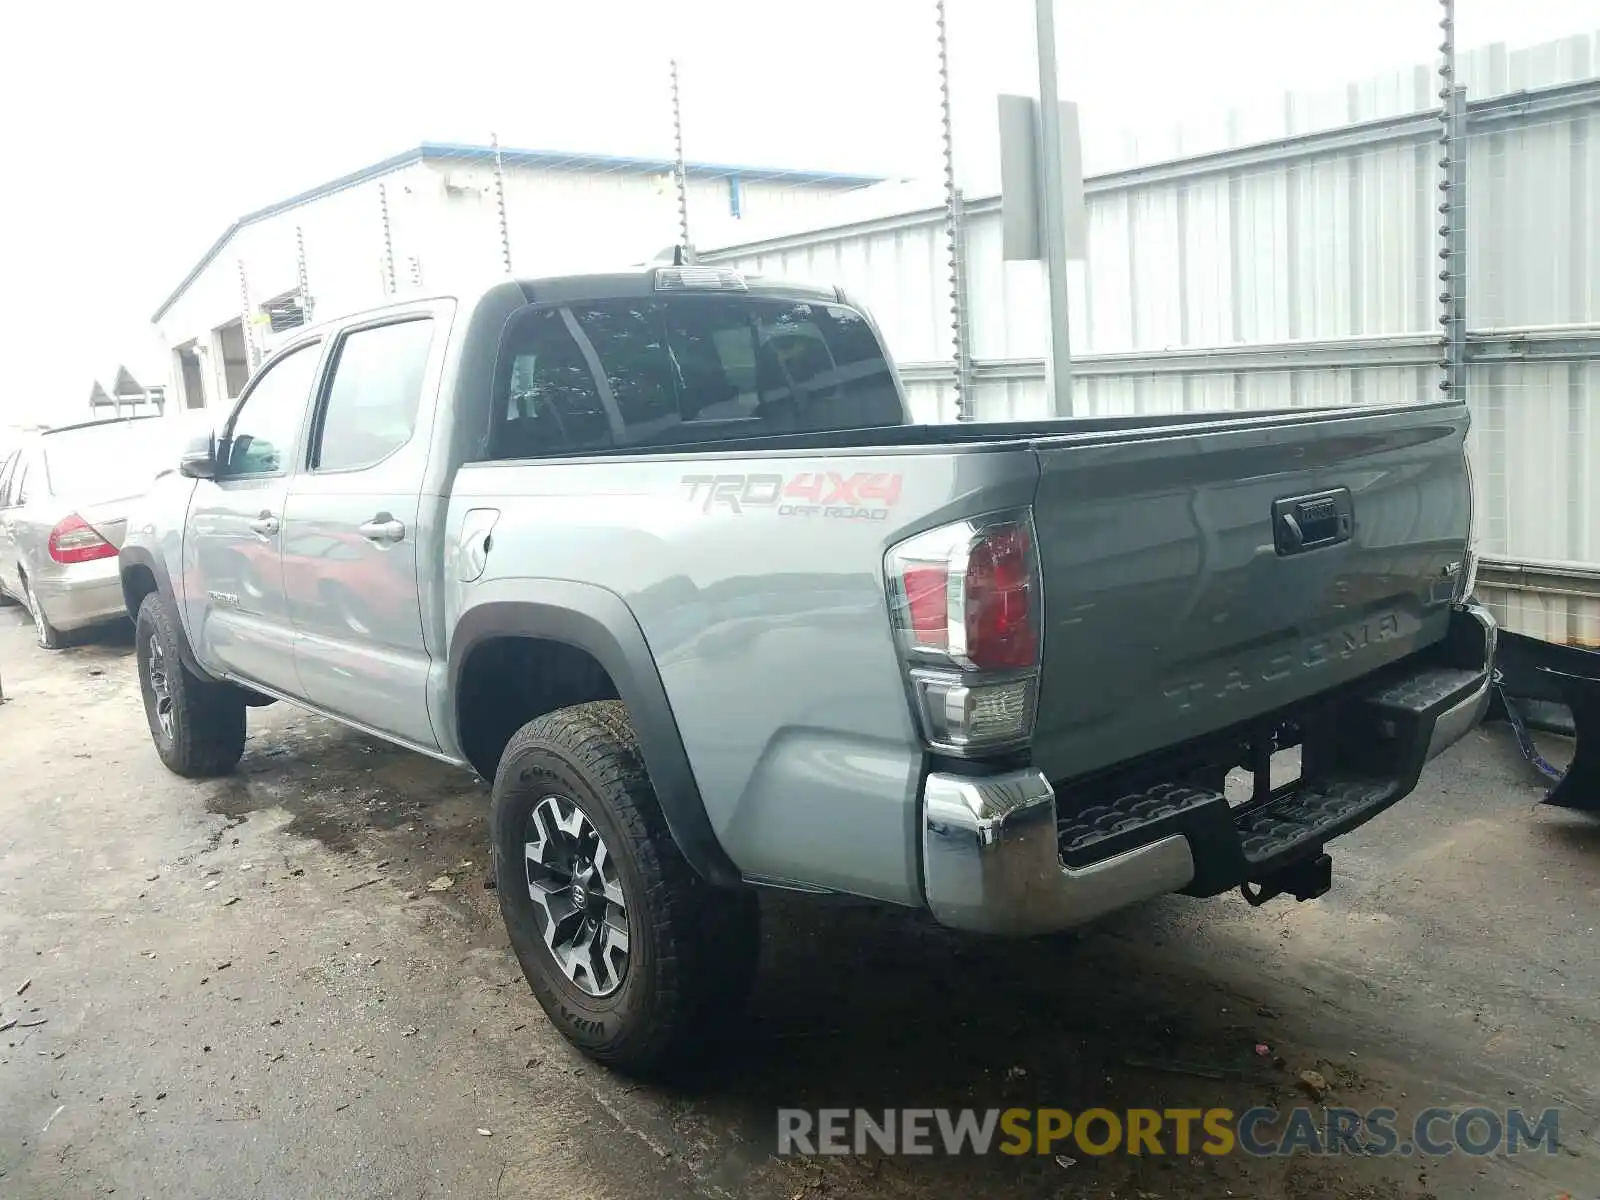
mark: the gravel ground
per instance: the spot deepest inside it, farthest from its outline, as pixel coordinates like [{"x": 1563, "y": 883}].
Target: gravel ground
[{"x": 248, "y": 989}]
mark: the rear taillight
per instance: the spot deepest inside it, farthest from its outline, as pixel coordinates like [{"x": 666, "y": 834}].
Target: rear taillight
[
  {"x": 73, "y": 540},
  {"x": 966, "y": 606}
]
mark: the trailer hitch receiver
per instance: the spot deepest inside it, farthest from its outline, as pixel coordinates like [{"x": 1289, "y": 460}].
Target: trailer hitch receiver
[{"x": 1306, "y": 879}]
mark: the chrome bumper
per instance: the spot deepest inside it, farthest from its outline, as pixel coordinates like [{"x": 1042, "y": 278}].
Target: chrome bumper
[
  {"x": 992, "y": 858},
  {"x": 993, "y": 865},
  {"x": 1462, "y": 718}
]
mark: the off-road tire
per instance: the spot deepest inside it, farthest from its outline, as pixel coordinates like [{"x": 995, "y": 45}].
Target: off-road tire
[
  {"x": 692, "y": 948},
  {"x": 208, "y": 726},
  {"x": 49, "y": 637}
]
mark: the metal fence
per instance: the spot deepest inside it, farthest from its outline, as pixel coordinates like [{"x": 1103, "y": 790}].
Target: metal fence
[{"x": 1307, "y": 267}]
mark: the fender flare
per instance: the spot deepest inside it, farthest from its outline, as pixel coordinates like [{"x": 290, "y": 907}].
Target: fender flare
[
  {"x": 599, "y": 622},
  {"x": 138, "y": 556}
]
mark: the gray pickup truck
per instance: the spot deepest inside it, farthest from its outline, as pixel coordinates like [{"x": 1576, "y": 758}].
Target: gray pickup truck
[{"x": 660, "y": 555}]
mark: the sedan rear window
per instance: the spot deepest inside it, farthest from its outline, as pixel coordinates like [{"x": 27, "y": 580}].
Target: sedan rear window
[
  {"x": 109, "y": 461},
  {"x": 605, "y": 375}
]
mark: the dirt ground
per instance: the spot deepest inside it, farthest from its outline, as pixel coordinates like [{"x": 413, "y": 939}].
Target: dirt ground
[{"x": 248, "y": 989}]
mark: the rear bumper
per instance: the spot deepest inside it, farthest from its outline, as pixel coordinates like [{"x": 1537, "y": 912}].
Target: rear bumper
[
  {"x": 1006, "y": 854},
  {"x": 83, "y": 594}
]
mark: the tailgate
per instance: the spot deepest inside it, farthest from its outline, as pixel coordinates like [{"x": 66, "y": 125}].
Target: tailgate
[{"x": 1199, "y": 577}]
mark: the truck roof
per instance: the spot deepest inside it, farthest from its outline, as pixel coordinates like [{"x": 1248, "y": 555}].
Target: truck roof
[
  {"x": 647, "y": 281},
  {"x": 601, "y": 285}
]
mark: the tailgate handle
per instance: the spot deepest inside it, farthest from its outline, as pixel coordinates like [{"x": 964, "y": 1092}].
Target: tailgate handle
[{"x": 1301, "y": 523}]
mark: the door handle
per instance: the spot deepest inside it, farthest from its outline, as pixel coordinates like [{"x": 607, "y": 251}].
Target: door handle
[
  {"x": 382, "y": 528},
  {"x": 266, "y": 524}
]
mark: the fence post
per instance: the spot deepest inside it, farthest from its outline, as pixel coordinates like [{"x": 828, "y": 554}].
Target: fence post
[
  {"x": 1452, "y": 212},
  {"x": 247, "y": 323},
  {"x": 680, "y": 173},
  {"x": 388, "y": 241},
  {"x": 955, "y": 232},
  {"x": 300, "y": 274},
  {"x": 500, "y": 204}
]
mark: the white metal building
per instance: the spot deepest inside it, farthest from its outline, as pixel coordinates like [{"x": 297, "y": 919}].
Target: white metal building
[
  {"x": 1287, "y": 255},
  {"x": 430, "y": 216}
]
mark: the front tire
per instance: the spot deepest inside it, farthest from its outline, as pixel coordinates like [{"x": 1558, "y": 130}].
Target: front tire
[
  {"x": 636, "y": 959},
  {"x": 197, "y": 725},
  {"x": 50, "y": 638}
]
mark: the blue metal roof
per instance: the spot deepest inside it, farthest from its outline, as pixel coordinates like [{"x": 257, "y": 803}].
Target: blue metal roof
[{"x": 550, "y": 159}]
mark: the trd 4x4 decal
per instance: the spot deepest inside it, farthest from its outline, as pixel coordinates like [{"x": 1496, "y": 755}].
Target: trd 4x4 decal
[{"x": 863, "y": 496}]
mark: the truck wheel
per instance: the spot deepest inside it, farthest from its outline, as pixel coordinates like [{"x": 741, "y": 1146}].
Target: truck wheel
[
  {"x": 49, "y": 636},
  {"x": 633, "y": 956},
  {"x": 197, "y": 725}
]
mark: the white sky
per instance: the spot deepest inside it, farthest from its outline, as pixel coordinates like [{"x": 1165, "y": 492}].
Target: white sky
[{"x": 134, "y": 133}]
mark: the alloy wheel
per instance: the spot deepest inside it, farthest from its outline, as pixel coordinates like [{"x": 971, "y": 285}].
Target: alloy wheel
[
  {"x": 160, "y": 686},
  {"x": 577, "y": 895},
  {"x": 35, "y": 613}
]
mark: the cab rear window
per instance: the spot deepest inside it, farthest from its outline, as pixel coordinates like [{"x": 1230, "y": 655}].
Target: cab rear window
[{"x": 615, "y": 375}]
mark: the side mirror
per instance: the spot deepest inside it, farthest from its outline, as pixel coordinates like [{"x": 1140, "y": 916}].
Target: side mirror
[{"x": 199, "y": 459}]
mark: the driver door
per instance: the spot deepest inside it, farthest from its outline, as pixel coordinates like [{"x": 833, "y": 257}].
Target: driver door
[{"x": 238, "y": 608}]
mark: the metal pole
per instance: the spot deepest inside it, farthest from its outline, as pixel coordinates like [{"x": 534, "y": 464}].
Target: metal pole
[
  {"x": 1452, "y": 212},
  {"x": 1052, "y": 212},
  {"x": 247, "y": 324},
  {"x": 680, "y": 173},
  {"x": 388, "y": 241},
  {"x": 300, "y": 273},
  {"x": 500, "y": 204},
  {"x": 955, "y": 234}
]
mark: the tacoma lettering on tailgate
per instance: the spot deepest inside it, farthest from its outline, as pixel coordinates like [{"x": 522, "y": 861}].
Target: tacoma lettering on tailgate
[
  {"x": 1235, "y": 676},
  {"x": 863, "y": 496}
]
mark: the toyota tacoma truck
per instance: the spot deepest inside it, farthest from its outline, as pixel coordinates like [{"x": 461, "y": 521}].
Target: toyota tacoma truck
[{"x": 660, "y": 554}]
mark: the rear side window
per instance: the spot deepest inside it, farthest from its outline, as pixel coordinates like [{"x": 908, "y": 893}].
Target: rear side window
[
  {"x": 371, "y": 406},
  {"x": 626, "y": 374}
]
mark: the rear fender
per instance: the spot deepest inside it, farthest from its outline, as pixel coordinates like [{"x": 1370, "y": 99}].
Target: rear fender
[{"x": 599, "y": 622}]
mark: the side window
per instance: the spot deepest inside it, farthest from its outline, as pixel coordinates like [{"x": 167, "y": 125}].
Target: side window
[
  {"x": 546, "y": 398},
  {"x": 371, "y": 406},
  {"x": 7, "y": 469},
  {"x": 19, "y": 484},
  {"x": 264, "y": 430}
]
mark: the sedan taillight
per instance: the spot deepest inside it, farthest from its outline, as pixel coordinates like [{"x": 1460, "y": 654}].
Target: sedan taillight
[
  {"x": 73, "y": 540},
  {"x": 967, "y": 610}
]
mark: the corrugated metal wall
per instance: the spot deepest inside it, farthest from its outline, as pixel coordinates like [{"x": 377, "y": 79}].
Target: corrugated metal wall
[{"x": 1302, "y": 270}]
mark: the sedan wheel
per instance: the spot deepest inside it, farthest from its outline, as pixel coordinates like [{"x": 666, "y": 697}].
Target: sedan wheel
[{"x": 49, "y": 636}]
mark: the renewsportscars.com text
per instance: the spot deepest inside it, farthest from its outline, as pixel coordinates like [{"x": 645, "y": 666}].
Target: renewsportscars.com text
[{"x": 1259, "y": 1132}]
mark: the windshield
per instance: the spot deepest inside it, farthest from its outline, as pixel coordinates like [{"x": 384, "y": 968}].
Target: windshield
[{"x": 119, "y": 458}]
